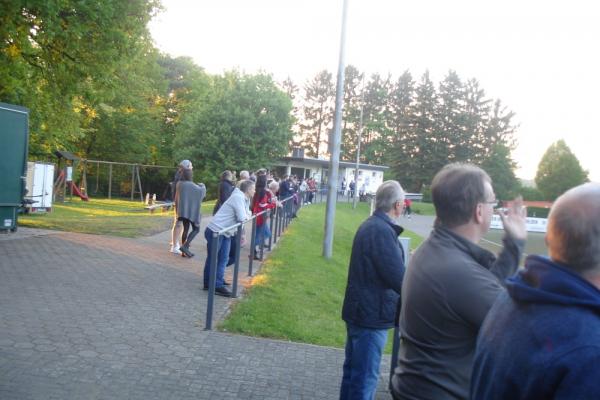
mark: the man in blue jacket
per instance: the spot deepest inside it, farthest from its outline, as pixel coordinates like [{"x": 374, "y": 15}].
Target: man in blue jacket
[
  {"x": 541, "y": 340},
  {"x": 374, "y": 281}
]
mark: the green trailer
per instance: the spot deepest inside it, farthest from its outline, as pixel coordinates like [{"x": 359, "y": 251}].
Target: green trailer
[{"x": 14, "y": 137}]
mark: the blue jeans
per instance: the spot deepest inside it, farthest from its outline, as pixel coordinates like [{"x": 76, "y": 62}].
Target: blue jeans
[
  {"x": 361, "y": 366},
  {"x": 223, "y": 244}
]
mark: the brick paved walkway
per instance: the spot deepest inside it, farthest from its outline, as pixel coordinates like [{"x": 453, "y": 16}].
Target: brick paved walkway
[{"x": 96, "y": 317}]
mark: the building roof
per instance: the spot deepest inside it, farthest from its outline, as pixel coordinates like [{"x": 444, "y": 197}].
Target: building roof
[{"x": 325, "y": 163}]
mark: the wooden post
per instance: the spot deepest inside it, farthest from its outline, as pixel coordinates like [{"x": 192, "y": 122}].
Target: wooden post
[
  {"x": 132, "y": 181},
  {"x": 139, "y": 182},
  {"x": 109, "y": 180}
]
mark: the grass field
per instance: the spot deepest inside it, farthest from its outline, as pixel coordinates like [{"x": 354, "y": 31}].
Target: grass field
[
  {"x": 422, "y": 208},
  {"x": 103, "y": 216},
  {"x": 534, "y": 245},
  {"x": 298, "y": 294}
]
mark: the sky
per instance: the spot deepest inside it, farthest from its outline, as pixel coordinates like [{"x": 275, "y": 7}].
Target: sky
[{"x": 540, "y": 58}]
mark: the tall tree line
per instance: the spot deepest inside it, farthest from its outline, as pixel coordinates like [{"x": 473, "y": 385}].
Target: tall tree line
[
  {"x": 415, "y": 127},
  {"x": 96, "y": 85}
]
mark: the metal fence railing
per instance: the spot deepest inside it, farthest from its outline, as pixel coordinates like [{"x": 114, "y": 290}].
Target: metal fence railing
[{"x": 280, "y": 218}]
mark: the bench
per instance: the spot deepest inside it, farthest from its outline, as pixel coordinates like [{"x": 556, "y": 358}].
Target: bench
[{"x": 163, "y": 207}]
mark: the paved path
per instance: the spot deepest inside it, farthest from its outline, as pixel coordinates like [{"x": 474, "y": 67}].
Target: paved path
[{"x": 96, "y": 317}]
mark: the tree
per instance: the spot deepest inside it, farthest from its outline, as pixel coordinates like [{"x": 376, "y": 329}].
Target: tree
[
  {"x": 500, "y": 167},
  {"x": 558, "y": 171},
  {"x": 377, "y": 136},
  {"x": 292, "y": 90},
  {"x": 317, "y": 110},
  {"x": 428, "y": 150},
  {"x": 68, "y": 61},
  {"x": 400, "y": 119},
  {"x": 244, "y": 123}
]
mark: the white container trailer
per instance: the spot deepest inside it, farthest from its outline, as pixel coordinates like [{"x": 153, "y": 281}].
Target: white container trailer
[{"x": 40, "y": 184}]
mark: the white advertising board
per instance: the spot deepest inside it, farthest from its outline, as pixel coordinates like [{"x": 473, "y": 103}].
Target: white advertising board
[{"x": 533, "y": 224}]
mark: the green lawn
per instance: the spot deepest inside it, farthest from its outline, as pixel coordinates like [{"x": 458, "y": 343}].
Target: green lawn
[
  {"x": 103, "y": 216},
  {"x": 422, "y": 208},
  {"x": 298, "y": 294}
]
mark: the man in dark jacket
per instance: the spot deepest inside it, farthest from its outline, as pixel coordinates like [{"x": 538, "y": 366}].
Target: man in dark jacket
[
  {"x": 374, "y": 281},
  {"x": 541, "y": 340},
  {"x": 450, "y": 285}
]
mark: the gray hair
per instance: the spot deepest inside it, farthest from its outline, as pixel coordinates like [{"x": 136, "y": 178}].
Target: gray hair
[
  {"x": 387, "y": 195},
  {"x": 186, "y": 164},
  {"x": 246, "y": 184},
  {"x": 573, "y": 235},
  {"x": 274, "y": 186},
  {"x": 244, "y": 175}
]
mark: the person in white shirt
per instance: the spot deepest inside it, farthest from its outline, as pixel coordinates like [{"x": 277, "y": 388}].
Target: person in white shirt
[{"x": 233, "y": 211}]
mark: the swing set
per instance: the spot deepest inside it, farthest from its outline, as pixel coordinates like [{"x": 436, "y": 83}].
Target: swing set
[{"x": 68, "y": 163}]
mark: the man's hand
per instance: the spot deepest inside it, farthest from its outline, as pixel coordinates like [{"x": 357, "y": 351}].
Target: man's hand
[{"x": 513, "y": 220}]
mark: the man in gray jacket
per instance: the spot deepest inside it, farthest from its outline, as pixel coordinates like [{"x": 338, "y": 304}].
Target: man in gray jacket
[{"x": 451, "y": 284}]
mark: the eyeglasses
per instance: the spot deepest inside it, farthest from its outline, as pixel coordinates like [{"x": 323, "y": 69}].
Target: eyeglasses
[{"x": 494, "y": 203}]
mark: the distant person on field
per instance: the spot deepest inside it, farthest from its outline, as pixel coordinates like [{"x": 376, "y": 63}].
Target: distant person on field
[
  {"x": 407, "y": 208},
  {"x": 541, "y": 340},
  {"x": 372, "y": 293},
  {"x": 176, "y": 229},
  {"x": 451, "y": 284},
  {"x": 188, "y": 200}
]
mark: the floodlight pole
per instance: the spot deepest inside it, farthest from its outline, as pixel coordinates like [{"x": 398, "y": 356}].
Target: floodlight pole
[
  {"x": 334, "y": 161},
  {"x": 360, "y": 127}
]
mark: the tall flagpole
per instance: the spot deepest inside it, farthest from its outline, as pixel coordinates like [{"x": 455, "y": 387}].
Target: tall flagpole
[{"x": 334, "y": 161}]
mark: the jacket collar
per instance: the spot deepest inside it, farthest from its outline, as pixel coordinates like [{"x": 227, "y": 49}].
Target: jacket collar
[
  {"x": 397, "y": 228},
  {"x": 478, "y": 253}
]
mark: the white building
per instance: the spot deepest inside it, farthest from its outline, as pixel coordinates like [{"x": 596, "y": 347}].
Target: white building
[{"x": 369, "y": 176}]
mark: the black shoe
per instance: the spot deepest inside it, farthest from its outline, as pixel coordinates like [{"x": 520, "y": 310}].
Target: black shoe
[
  {"x": 185, "y": 252},
  {"x": 223, "y": 291},
  {"x": 205, "y": 288}
]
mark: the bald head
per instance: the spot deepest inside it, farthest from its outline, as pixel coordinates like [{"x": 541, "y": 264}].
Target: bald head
[{"x": 573, "y": 235}]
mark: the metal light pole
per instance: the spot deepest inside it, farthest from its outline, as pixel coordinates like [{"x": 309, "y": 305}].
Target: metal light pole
[
  {"x": 360, "y": 127},
  {"x": 334, "y": 161}
]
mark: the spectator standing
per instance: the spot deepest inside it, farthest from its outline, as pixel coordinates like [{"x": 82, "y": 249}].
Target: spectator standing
[
  {"x": 234, "y": 210},
  {"x": 224, "y": 189},
  {"x": 312, "y": 188},
  {"x": 374, "y": 284},
  {"x": 352, "y": 187},
  {"x": 188, "y": 200},
  {"x": 176, "y": 229},
  {"x": 541, "y": 339},
  {"x": 450, "y": 285},
  {"x": 263, "y": 200}
]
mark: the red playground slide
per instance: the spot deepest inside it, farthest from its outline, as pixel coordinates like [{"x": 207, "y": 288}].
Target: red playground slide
[{"x": 78, "y": 192}]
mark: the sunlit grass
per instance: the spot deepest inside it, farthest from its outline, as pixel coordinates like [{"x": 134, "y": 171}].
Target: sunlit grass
[
  {"x": 114, "y": 217},
  {"x": 298, "y": 294}
]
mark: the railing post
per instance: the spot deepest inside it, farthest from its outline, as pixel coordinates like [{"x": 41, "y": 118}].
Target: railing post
[
  {"x": 252, "y": 245},
  {"x": 272, "y": 215},
  {"x": 276, "y": 216},
  {"x": 261, "y": 245},
  {"x": 212, "y": 280},
  {"x": 236, "y": 268}
]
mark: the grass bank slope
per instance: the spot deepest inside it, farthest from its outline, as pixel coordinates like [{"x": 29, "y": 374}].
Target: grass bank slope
[{"x": 298, "y": 295}]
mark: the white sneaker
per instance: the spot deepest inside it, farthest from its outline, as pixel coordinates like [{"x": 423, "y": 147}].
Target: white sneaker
[{"x": 175, "y": 250}]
